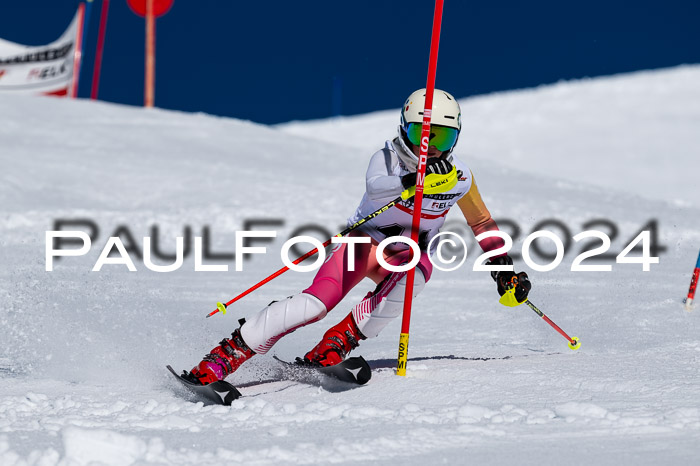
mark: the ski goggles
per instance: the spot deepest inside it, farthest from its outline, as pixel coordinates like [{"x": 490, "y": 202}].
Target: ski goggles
[{"x": 442, "y": 137}]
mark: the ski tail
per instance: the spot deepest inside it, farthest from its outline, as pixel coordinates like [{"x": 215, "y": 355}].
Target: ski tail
[{"x": 353, "y": 370}]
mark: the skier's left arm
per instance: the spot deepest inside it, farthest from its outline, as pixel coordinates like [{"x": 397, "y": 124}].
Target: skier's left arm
[{"x": 479, "y": 219}]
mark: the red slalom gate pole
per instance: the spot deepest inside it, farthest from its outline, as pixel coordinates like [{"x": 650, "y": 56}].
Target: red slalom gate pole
[
  {"x": 150, "y": 81},
  {"x": 78, "y": 52},
  {"x": 420, "y": 178},
  {"x": 693, "y": 286},
  {"x": 100, "y": 47}
]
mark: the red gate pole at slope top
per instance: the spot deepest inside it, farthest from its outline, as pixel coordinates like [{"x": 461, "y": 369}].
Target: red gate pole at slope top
[
  {"x": 78, "y": 51},
  {"x": 149, "y": 92},
  {"x": 100, "y": 47},
  {"x": 150, "y": 9},
  {"x": 418, "y": 198}
]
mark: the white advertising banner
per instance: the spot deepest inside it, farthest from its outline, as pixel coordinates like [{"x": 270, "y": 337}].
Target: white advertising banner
[{"x": 46, "y": 69}]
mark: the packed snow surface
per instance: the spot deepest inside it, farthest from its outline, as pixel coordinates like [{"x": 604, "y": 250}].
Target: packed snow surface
[{"x": 83, "y": 353}]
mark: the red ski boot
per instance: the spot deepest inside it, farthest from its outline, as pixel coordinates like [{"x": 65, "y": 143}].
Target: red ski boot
[
  {"x": 336, "y": 343},
  {"x": 222, "y": 360}
]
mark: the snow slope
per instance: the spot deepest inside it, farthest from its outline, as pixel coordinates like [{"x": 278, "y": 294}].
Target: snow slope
[
  {"x": 611, "y": 131},
  {"x": 82, "y": 354}
]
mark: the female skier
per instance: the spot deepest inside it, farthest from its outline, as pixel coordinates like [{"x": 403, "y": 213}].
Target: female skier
[{"x": 391, "y": 171}]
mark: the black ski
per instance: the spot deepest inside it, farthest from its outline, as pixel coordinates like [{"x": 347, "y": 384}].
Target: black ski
[
  {"x": 220, "y": 392},
  {"x": 352, "y": 370}
]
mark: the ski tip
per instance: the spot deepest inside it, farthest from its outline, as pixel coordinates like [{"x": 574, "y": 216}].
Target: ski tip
[
  {"x": 220, "y": 392},
  {"x": 224, "y": 391}
]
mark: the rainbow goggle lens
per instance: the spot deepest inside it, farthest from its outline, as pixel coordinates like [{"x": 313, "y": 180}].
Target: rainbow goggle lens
[{"x": 442, "y": 137}]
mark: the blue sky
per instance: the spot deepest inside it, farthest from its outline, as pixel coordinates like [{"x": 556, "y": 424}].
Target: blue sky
[{"x": 280, "y": 61}]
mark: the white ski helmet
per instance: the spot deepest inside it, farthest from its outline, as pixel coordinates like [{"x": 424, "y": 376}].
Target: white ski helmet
[{"x": 446, "y": 115}]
